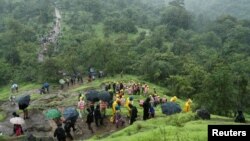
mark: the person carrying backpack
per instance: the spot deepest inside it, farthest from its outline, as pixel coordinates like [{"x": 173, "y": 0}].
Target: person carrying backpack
[{"x": 60, "y": 133}]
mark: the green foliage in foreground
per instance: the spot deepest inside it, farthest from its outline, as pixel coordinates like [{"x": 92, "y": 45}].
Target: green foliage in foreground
[{"x": 179, "y": 127}]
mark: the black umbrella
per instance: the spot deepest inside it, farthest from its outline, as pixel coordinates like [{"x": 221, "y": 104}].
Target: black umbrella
[
  {"x": 203, "y": 113},
  {"x": 105, "y": 96},
  {"x": 70, "y": 113},
  {"x": 170, "y": 108},
  {"x": 23, "y": 101},
  {"x": 92, "y": 95}
]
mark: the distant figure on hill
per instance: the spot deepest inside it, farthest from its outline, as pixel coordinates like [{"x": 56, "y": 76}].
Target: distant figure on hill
[
  {"x": 14, "y": 88},
  {"x": 46, "y": 87},
  {"x": 173, "y": 99},
  {"x": 240, "y": 117},
  {"x": 146, "y": 106},
  {"x": 12, "y": 99},
  {"x": 187, "y": 106}
]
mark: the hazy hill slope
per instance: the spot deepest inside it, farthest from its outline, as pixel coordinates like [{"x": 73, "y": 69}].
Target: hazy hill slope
[{"x": 215, "y": 8}]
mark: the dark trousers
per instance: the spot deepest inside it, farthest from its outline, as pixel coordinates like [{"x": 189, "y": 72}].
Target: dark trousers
[
  {"x": 69, "y": 135},
  {"x": 98, "y": 120}
]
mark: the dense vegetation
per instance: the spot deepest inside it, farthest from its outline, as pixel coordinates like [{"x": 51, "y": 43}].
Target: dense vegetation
[{"x": 166, "y": 44}]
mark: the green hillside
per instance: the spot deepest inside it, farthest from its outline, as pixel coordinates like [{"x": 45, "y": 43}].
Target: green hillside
[
  {"x": 179, "y": 127},
  {"x": 194, "y": 49}
]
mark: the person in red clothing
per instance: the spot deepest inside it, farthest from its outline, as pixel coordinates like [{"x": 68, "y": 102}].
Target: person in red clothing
[{"x": 18, "y": 130}]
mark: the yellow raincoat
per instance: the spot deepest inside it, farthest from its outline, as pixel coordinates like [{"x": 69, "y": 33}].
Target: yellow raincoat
[
  {"x": 173, "y": 99},
  {"x": 187, "y": 106},
  {"x": 129, "y": 100}
]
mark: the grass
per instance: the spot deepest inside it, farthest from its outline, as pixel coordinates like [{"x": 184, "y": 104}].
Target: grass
[
  {"x": 178, "y": 127},
  {"x": 5, "y": 91},
  {"x": 2, "y": 116},
  {"x": 97, "y": 84},
  {"x": 7, "y": 138}
]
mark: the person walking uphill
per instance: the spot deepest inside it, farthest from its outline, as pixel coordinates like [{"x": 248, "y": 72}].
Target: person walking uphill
[
  {"x": 67, "y": 127},
  {"x": 46, "y": 87},
  {"x": 146, "y": 106},
  {"x": 18, "y": 130},
  {"x": 60, "y": 133},
  {"x": 81, "y": 107},
  {"x": 129, "y": 100},
  {"x": 90, "y": 119},
  {"x": 98, "y": 116},
  {"x": 187, "y": 106},
  {"x": 133, "y": 113},
  {"x": 14, "y": 88}
]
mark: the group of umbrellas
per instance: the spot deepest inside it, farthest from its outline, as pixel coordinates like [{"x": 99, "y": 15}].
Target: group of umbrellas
[
  {"x": 94, "y": 96},
  {"x": 69, "y": 113}
]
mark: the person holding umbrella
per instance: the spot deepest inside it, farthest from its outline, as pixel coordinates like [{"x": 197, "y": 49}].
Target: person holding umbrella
[
  {"x": 17, "y": 122},
  {"x": 90, "y": 119},
  {"x": 23, "y": 103},
  {"x": 67, "y": 127},
  {"x": 60, "y": 133},
  {"x": 54, "y": 114},
  {"x": 70, "y": 114}
]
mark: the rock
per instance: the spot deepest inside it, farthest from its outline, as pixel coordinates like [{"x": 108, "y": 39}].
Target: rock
[
  {"x": 45, "y": 139},
  {"x": 60, "y": 96},
  {"x": 43, "y": 128}
]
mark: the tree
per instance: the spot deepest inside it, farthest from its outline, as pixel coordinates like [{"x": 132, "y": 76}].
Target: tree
[
  {"x": 176, "y": 17},
  {"x": 219, "y": 95},
  {"x": 5, "y": 72},
  {"x": 177, "y": 3}
]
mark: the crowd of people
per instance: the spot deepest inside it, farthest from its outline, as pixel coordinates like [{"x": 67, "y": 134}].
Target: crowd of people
[{"x": 122, "y": 97}]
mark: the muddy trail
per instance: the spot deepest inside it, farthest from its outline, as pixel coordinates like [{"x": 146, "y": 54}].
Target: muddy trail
[
  {"x": 51, "y": 38},
  {"x": 43, "y": 128}
]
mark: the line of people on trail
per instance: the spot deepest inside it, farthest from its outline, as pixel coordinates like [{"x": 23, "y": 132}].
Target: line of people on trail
[
  {"x": 131, "y": 88},
  {"x": 90, "y": 111},
  {"x": 70, "y": 79}
]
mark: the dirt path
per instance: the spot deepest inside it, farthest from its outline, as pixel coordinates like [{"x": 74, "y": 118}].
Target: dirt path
[
  {"x": 51, "y": 37},
  {"x": 39, "y": 126}
]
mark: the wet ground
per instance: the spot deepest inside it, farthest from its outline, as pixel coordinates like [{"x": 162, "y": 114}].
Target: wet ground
[{"x": 39, "y": 126}]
